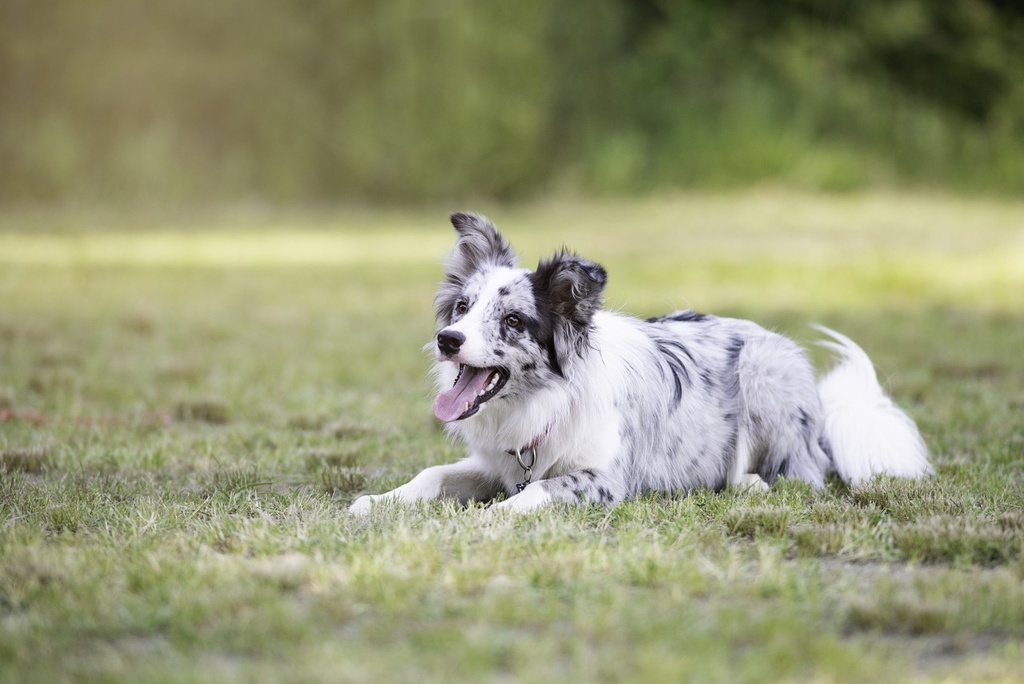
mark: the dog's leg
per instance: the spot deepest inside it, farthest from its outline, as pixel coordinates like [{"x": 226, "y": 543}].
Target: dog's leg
[
  {"x": 584, "y": 486},
  {"x": 464, "y": 481},
  {"x": 739, "y": 473},
  {"x": 782, "y": 412}
]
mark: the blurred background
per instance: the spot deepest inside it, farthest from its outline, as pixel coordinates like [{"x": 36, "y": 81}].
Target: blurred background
[{"x": 303, "y": 101}]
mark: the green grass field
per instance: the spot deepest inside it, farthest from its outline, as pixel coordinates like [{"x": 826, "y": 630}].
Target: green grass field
[{"x": 188, "y": 404}]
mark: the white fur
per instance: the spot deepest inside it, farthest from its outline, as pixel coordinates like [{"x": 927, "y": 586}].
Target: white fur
[{"x": 870, "y": 435}]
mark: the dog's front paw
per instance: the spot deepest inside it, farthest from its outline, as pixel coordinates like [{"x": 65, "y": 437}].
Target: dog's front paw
[
  {"x": 362, "y": 505},
  {"x": 534, "y": 496},
  {"x": 751, "y": 483}
]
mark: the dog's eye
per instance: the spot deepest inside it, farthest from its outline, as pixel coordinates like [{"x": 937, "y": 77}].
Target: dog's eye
[
  {"x": 513, "y": 321},
  {"x": 461, "y": 307}
]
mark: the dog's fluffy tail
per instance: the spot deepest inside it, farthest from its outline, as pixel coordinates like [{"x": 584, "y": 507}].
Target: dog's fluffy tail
[{"x": 868, "y": 433}]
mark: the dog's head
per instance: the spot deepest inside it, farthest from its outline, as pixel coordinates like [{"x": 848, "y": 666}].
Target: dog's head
[{"x": 506, "y": 331}]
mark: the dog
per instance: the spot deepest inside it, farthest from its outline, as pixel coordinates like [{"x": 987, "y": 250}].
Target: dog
[{"x": 557, "y": 399}]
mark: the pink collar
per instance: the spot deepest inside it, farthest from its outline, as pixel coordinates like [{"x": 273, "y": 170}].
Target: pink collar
[{"x": 534, "y": 445}]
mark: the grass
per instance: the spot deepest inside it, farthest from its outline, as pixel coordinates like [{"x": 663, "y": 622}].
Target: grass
[{"x": 188, "y": 404}]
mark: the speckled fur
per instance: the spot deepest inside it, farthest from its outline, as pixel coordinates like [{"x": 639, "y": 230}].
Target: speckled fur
[{"x": 619, "y": 406}]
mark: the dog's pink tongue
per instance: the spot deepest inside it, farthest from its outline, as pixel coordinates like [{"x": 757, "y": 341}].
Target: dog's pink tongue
[{"x": 450, "y": 405}]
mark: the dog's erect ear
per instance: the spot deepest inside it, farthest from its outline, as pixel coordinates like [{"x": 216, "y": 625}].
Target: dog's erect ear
[
  {"x": 479, "y": 245},
  {"x": 572, "y": 286}
]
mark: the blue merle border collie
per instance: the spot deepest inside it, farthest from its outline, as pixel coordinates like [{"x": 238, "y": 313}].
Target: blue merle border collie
[{"x": 559, "y": 400}]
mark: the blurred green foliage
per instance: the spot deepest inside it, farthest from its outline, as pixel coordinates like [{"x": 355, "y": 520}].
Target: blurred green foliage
[{"x": 356, "y": 100}]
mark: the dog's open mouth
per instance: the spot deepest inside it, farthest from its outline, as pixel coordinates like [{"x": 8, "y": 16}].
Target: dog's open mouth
[{"x": 473, "y": 387}]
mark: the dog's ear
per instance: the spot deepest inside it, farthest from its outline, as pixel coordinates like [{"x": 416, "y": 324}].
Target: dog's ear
[
  {"x": 479, "y": 244},
  {"x": 572, "y": 286}
]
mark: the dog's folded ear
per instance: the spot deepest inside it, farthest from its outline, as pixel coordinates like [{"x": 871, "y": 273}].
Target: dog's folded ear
[
  {"x": 479, "y": 245},
  {"x": 572, "y": 286}
]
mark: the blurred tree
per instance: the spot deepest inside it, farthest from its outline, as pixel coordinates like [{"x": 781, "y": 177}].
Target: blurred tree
[
  {"x": 303, "y": 100},
  {"x": 829, "y": 93}
]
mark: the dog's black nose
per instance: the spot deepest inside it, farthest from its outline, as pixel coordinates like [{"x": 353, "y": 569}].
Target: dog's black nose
[{"x": 449, "y": 341}]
